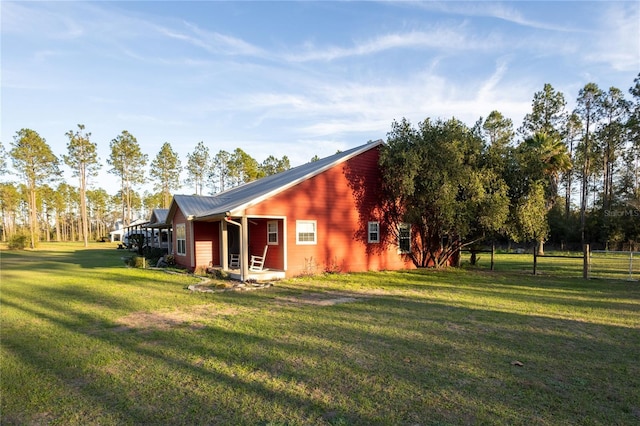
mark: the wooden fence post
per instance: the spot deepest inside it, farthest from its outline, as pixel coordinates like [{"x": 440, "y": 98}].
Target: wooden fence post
[
  {"x": 493, "y": 252},
  {"x": 535, "y": 258},
  {"x": 586, "y": 261}
]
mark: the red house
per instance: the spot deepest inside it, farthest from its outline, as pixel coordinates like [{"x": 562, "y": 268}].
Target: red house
[{"x": 321, "y": 216}]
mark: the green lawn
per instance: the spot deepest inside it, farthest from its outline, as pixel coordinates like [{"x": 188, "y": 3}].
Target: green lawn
[{"x": 85, "y": 340}]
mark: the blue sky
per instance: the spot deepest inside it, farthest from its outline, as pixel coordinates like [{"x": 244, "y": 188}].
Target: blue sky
[{"x": 294, "y": 78}]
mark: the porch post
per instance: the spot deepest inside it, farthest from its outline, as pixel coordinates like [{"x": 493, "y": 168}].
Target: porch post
[
  {"x": 224, "y": 245},
  {"x": 285, "y": 246},
  {"x": 244, "y": 248}
]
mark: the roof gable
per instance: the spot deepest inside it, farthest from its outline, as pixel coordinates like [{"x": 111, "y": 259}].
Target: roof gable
[
  {"x": 158, "y": 216},
  {"x": 241, "y": 197}
]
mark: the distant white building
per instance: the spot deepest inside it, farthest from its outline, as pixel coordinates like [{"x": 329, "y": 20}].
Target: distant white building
[{"x": 118, "y": 233}]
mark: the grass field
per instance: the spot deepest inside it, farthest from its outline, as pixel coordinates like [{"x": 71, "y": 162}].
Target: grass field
[{"x": 85, "y": 340}]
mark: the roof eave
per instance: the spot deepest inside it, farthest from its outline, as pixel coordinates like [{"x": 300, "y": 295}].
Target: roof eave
[
  {"x": 210, "y": 217},
  {"x": 253, "y": 202}
]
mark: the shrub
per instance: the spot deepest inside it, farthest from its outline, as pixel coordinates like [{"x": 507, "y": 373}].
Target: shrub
[
  {"x": 220, "y": 274},
  {"x": 135, "y": 261},
  {"x": 333, "y": 267},
  {"x": 200, "y": 270},
  {"x": 153, "y": 254},
  {"x": 310, "y": 267},
  {"x": 18, "y": 242}
]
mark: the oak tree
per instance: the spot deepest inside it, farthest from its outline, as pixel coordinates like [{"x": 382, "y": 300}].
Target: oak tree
[{"x": 437, "y": 184}]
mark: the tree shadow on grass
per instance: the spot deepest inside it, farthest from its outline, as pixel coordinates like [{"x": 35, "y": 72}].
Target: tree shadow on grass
[
  {"x": 51, "y": 260},
  {"x": 383, "y": 359}
]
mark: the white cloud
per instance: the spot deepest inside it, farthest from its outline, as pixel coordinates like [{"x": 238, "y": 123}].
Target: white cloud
[
  {"x": 491, "y": 84},
  {"x": 24, "y": 18},
  {"x": 212, "y": 42},
  {"x": 502, "y": 11},
  {"x": 443, "y": 38},
  {"x": 618, "y": 38}
]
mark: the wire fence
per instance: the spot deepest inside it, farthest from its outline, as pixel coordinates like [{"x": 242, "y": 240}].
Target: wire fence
[
  {"x": 615, "y": 264},
  {"x": 567, "y": 264},
  {"x": 604, "y": 264},
  {"x": 599, "y": 264}
]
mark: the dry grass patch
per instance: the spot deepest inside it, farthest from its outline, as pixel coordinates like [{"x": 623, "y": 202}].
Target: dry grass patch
[
  {"x": 193, "y": 316},
  {"x": 321, "y": 299}
]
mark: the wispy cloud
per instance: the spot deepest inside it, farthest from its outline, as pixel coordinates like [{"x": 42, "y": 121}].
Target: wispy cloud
[
  {"x": 491, "y": 84},
  {"x": 23, "y": 18},
  {"x": 438, "y": 38},
  {"x": 505, "y": 12},
  {"x": 212, "y": 42},
  {"x": 314, "y": 108},
  {"x": 618, "y": 37}
]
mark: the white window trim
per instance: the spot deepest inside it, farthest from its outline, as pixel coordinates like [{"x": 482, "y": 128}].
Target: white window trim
[
  {"x": 376, "y": 232},
  {"x": 299, "y": 223},
  {"x": 269, "y": 233},
  {"x": 178, "y": 239},
  {"x": 400, "y": 250}
]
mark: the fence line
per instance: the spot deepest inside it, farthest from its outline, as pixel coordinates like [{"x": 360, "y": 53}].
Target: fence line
[
  {"x": 598, "y": 263},
  {"x": 614, "y": 262},
  {"x": 620, "y": 265}
]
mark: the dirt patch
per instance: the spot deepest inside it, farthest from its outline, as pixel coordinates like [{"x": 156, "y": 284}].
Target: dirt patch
[
  {"x": 211, "y": 286},
  {"x": 320, "y": 299},
  {"x": 193, "y": 316}
]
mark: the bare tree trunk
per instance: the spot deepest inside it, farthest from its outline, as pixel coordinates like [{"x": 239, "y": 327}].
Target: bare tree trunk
[
  {"x": 57, "y": 226},
  {"x": 47, "y": 226},
  {"x": 83, "y": 208},
  {"x": 72, "y": 229},
  {"x": 33, "y": 217},
  {"x": 4, "y": 227}
]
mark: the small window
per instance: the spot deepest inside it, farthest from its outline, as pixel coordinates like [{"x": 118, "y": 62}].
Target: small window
[
  {"x": 306, "y": 231},
  {"x": 404, "y": 238},
  {"x": 181, "y": 239},
  {"x": 374, "y": 232},
  {"x": 272, "y": 232}
]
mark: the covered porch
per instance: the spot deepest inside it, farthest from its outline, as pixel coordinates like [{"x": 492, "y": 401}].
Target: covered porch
[
  {"x": 257, "y": 276},
  {"x": 249, "y": 248}
]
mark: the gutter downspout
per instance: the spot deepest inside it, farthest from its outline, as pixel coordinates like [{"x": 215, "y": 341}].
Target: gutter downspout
[
  {"x": 242, "y": 262},
  {"x": 192, "y": 249}
]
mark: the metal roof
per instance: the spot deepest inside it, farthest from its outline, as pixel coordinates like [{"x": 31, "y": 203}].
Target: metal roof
[
  {"x": 158, "y": 215},
  {"x": 157, "y": 219},
  {"x": 235, "y": 200}
]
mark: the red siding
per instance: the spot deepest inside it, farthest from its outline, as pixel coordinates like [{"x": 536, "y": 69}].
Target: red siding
[
  {"x": 342, "y": 200},
  {"x": 206, "y": 236},
  {"x": 258, "y": 239}
]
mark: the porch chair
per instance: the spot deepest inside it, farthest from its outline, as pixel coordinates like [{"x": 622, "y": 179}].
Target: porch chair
[{"x": 257, "y": 262}]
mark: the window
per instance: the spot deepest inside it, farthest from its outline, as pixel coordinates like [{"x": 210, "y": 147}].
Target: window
[
  {"x": 404, "y": 238},
  {"x": 374, "y": 232},
  {"x": 306, "y": 231},
  {"x": 272, "y": 232},
  {"x": 181, "y": 239}
]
